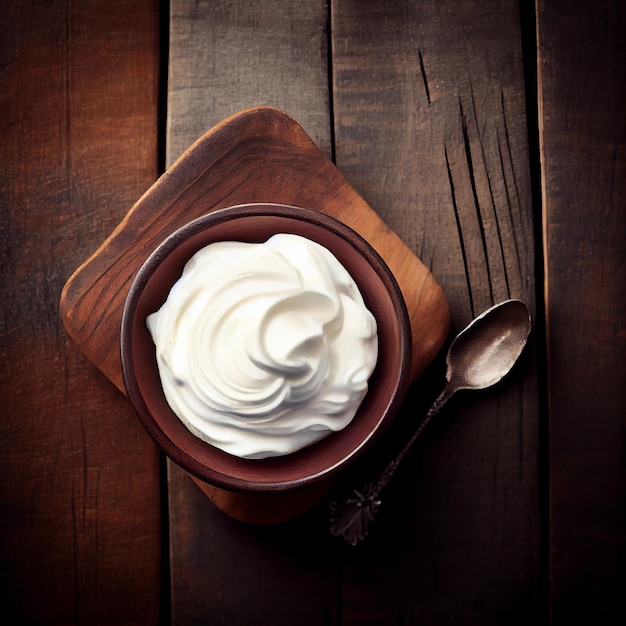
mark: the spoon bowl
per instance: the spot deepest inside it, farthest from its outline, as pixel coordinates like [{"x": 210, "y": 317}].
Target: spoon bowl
[{"x": 486, "y": 350}]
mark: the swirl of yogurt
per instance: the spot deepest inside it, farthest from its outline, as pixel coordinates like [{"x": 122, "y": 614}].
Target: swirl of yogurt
[{"x": 266, "y": 348}]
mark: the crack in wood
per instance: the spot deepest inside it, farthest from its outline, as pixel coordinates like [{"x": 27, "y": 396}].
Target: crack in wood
[
  {"x": 509, "y": 204},
  {"x": 472, "y": 177},
  {"x": 491, "y": 194},
  {"x": 460, "y": 231},
  {"x": 507, "y": 139},
  {"x": 424, "y": 77}
]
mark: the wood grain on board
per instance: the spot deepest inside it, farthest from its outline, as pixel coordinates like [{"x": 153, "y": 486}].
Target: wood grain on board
[
  {"x": 80, "y": 494},
  {"x": 582, "y": 90}
]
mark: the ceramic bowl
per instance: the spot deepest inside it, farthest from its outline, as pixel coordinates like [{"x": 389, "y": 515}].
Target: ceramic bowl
[{"x": 256, "y": 223}]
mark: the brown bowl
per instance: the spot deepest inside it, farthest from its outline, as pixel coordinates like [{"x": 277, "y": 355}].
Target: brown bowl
[{"x": 256, "y": 223}]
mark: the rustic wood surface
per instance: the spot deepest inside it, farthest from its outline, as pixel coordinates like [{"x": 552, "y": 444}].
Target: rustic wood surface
[
  {"x": 583, "y": 154},
  {"x": 491, "y": 138},
  {"x": 80, "y": 526}
]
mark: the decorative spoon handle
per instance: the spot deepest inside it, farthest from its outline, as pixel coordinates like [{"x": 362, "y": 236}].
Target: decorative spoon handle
[{"x": 351, "y": 516}]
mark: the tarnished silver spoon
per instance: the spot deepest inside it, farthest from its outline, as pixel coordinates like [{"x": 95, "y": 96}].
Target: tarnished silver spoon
[{"x": 479, "y": 357}]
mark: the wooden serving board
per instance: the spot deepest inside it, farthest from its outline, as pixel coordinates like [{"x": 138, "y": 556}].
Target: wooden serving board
[{"x": 258, "y": 155}]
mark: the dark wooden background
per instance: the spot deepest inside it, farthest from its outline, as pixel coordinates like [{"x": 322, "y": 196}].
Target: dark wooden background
[{"x": 491, "y": 135}]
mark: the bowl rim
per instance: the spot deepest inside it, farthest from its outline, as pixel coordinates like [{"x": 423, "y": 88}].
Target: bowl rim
[{"x": 194, "y": 227}]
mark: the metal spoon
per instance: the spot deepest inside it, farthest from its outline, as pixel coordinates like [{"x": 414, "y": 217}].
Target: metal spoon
[{"x": 479, "y": 357}]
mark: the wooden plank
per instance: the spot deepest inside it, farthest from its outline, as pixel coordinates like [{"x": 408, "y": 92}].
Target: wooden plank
[
  {"x": 228, "y": 56},
  {"x": 79, "y": 486},
  {"x": 582, "y": 82},
  {"x": 224, "y": 57},
  {"x": 430, "y": 128},
  {"x": 223, "y": 570}
]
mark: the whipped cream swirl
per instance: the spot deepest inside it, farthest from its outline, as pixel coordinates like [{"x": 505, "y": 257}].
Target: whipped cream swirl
[{"x": 264, "y": 349}]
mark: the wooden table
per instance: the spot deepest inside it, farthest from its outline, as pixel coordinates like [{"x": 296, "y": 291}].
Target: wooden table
[{"x": 491, "y": 136}]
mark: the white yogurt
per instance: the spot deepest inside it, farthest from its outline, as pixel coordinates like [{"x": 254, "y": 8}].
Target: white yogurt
[{"x": 264, "y": 349}]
